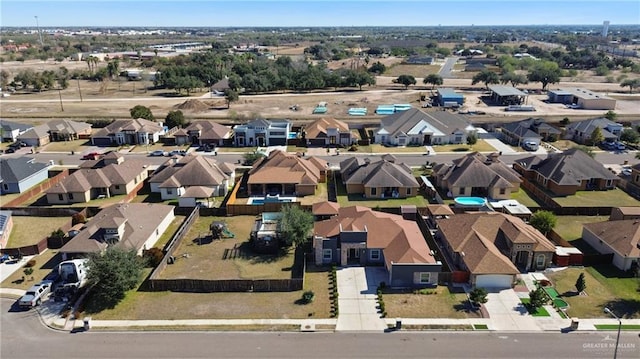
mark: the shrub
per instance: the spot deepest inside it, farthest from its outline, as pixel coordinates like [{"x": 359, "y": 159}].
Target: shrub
[
  {"x": 153, "y": 256},
  {"x": 28, "y": 271},
  {"x": 78, "y": 218},
  {"x": 307, "y": 297},
  {"x": 30, "y": 263}
]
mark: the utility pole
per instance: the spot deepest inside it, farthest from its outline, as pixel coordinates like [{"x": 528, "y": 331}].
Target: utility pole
[
  {"x": 60, "y": 96},
  {"x": 79, "y": 90},
  {"x": 39, "y": 33}
]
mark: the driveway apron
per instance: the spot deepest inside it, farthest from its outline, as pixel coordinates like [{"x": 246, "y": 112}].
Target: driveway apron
[{"x": 357, "y": 299}]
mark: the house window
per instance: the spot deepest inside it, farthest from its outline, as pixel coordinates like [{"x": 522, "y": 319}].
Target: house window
[
  {"x": 169, "y": 191},
  {"x": 503, "y": 190},
  {"x": 60, "y": 197},
  {"x": 70, "y": 195},
  {"x": 374, "y": 255},
  {"x": 373, "y": 191},
  {"x": 408, "y": 191},
  {"x": 540, "y": 260},
  {"x": 157, "y": 232},
  {"x": 5, "y": 186},
  {"x": 462, "y": 189},
  {"x": 636, "y": 180},
  {"x": 117, "y": 186},
  {"x": 327, "y": 254},
  {"x": 425, "y": 277},
  {"x": 609, "y": 183}
]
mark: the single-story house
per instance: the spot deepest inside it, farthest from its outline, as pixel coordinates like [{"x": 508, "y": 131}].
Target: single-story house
[
  {"x": 621, "y": 238},
  {"x": 362, "y": 236},
  {"x": 416, "y": 127},
  {"x": 111, "y": 175},
  {"x": 493, "y": 247},
  {"x": 11, "y": 130},
  {"x": 56, "y": 130},
  {"x": 6, "y": 225},
  {"x": 204, "y": 132},
  {"x": 286, "y": 174},
  {"x": 328, "y": 131},
  {"x": 130, "y": 131},
  {"x": 175, "y": 178},
  {"x": 566, "y": 173},
  {"x": 531, "y": 130},
  {"x": 581, "y": 131},
  {"x": 385, "y": 178},
  {"x": 620, "y": 213},
  {"x": 136, "y": 226},
  {"x": 477, "y": 175},
  {"x": 19, "y": 174}
]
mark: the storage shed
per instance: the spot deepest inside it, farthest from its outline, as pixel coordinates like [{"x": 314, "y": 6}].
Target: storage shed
[{"x": 448, "y": 95}]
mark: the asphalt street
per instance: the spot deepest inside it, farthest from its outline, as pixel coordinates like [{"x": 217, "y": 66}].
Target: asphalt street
[{"x": 23, "y": 336}]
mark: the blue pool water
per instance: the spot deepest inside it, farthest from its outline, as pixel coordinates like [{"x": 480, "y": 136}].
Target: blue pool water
[
  {"x": 261, "y": 200},
  {"x": 470, "y": 201},
  {"x": 293, "y": 135}
]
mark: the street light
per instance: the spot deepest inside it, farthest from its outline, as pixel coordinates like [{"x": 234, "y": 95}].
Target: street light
[{"x": 610, "y": 312}]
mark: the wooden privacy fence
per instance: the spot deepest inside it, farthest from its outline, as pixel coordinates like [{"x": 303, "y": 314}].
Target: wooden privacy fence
[{"x": 229, "y": 285}]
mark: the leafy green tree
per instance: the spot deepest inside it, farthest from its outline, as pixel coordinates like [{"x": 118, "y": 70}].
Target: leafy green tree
[
  {"x": 113, "y": 273},
  {"x": 611, "y": 116},
  {"x": 377, "y": 68},
  {"x": 586, "y": 149},
  {"x": 545, "y": 72},
  {"x": 4, "y": 79},
  {"x": 544, "y": 221},
  {"x": 537, "y": 298},
  {"x": 359, "y": 78},
  {"x": 478, "y": 295},
  {"x": 231, "y": 96},
  {"x": 631, "y": 84},
  {"x": 472, "y": 139},
  {"x": 596, "y": 136},
  {"x": 174, "y": 119},
  {"x": 434, "y": 80},
  {"x": 487, "y": 77},
  {"x": 513, "y": 78},
  {"x": 630, "y": 135},
  {"x": 296, "y": 225},
  {"x": 251, "y": 157},
  {"x": 113, "y": 68},
  {"x": 406, "y": 80},
  {"x": 581, "y": 284},
  {"x": 139, "y": 111}
]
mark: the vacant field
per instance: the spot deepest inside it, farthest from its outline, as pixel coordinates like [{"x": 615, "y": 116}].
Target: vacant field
[
  {"x": 611, "y": 198},
  {"x": 606, "y": 287},
  {"x": 28, "y": 230},
  {"x": 45, "y": 263},
  {"x": 417, "y": 71},
  {"x": 443, "y": 304},
  {"x": 169, "y": 305},
  {"x": 570, "y": 227}
]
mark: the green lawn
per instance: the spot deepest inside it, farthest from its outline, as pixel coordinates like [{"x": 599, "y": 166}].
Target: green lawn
[
  {"x": 611, "y": 198},
  {"x": 346, "y": 200},
  {"x": 28, "y": 230},
  {"x": 42, "y": 201},
  {"x": 606, "y": 287},
  {"x": 615, "y": 326},
  {"x": 523, "y": 198},
  {"x": 295, "y": 149},
  {"x": 540, "y": 312},
  {"x": 570, "y": 227}
]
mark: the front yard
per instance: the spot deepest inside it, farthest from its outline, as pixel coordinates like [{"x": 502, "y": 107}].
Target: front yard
[
  {"x": 77, "y": 146},
  {"x": 606, "y": 287},
  {"x": 442, "y": 304},
  {"x": 45, "y": 263},
  {"x": 200, "y": 257}
]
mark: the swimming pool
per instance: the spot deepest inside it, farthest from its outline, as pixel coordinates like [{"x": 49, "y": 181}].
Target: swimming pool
[
  {"x": 292, "y": 135},
  {"x": 262, "y": 200},
  {"x": 470, "y": 201}
]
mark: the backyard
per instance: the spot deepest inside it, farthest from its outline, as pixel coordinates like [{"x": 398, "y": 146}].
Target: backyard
[
  {"x": 28, "y": 230},
  {"x": 606, "y": 287},
  {"x": 266, "y": 305},
  {"x": 346, "y": 200},
  {"x": 611, "y": 198},
  {"x": 523, "y": 198},
  {"x": 441, "y": 304},
  {"x": 200, "y": 257}
]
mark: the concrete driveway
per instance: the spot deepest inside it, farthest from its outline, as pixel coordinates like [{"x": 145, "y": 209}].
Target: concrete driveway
[
  {"x": 508, "y": 313},
  {"x": 357, "y": 299}
]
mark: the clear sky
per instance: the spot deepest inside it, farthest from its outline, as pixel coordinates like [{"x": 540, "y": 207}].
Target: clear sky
[{"x": 221, "y": 13}]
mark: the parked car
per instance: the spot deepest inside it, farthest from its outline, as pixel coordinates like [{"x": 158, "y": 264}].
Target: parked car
[
  {"x": 158, "y": 153},
  {"x": 35, "y": 295},
  {"x": 620, "y": 146},
  {"x": 5, "y": 258},
  {"x": 91, "y": 156},
  {"x": 178, "y": 153},
  {"x": 10, "y": 150},
  {"x": 608, "y": 146}
]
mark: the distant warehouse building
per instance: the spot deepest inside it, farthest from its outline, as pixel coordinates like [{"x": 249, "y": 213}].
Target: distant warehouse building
[
  {"x": 583, "y": 98},
  {"x": 447, "y": 96}
]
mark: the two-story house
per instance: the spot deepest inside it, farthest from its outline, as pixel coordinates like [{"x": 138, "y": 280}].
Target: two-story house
[{"x": 262, "y": 132}]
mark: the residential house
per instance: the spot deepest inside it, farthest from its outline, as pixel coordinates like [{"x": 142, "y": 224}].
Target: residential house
[
  {"x": 11, "y": 130},
  {"x": 566, "y": 173},
  {"x": 493, "y": 247},
  {"x": 109, "y": 176},
  {"x": 206, "y": 175},
  {"x": 386, "y": 178},
  {"x": 262, "y": 132},
  {"x": 6, "y": 225},
  {"x": 221, "y": 86},
  {"x": 283, "y": 173},
  {"x": 620, "y": 238},
  {"x": 581, "y": 132},
  {"x": 204, "y": 132},
  {"x": 128, "y": 132},
  {"x": 328, "y": 131},
  {"x": 56, "y": 130},
  {"x": 19, "y": 174},
  {"x": 635, "y": 174},
  {"x": 362, "y": 236},
  {"x": 416, "y": 127},
  {"x": 130, "y": 226},
  {"x": 620, "y": 213},
  {"x": 324, "y": 210},
  {"x": 531, "y": 130},
  {"x": 477, "y": 175}
]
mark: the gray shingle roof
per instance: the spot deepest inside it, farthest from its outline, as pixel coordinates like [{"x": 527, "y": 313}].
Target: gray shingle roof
[
  {"x": 476, "y": 170},
  {"x": 571, "y": 167},
  {"x": 14, "y": 170},
  {"x": 377, "y": 174},
  {"x": 403, "y": 122}
]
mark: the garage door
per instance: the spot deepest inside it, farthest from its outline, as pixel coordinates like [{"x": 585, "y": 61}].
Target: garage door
[{"x": 494, "y": 281}]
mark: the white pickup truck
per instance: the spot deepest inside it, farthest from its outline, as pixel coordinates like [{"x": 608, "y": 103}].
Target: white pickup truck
[{"x": 34, "y": 296}]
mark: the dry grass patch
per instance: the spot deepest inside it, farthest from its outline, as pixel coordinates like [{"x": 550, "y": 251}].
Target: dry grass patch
[
  {"x": 67, "y": 146},
  {"x": 480, "y": 146},
  {"x": 442, "y": 304},
  {"x": 272, "y": 305},
  {"x": 417, "y": 71},
  {"x": 28, "y": 230},
  {"x": 45, "y": 263}
]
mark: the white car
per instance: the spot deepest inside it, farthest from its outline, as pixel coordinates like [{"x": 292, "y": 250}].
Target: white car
[{"x": 158, "y": 153}]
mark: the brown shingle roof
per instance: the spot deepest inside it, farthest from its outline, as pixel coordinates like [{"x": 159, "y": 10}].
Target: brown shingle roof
[
  {"x": 325, "y": 208},
  {"x": 623, "y": 236},
  {"x": 282, "y": 167},
  {"x": 193, "y": 171},
  {"x": 319, "y": 127}
]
